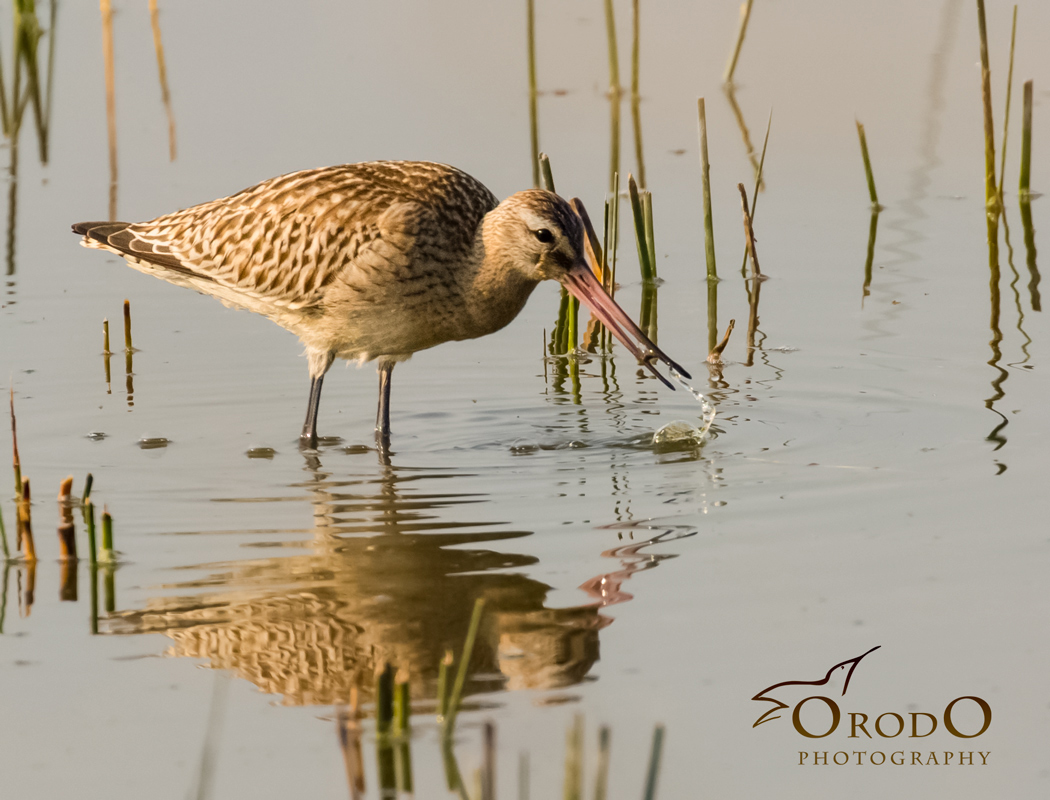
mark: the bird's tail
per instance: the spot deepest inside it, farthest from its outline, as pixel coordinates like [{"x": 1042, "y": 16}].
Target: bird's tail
[{"x": 101, "y": 235}]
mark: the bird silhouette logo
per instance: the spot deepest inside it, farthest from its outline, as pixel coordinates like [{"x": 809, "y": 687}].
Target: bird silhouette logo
[{"x": 778, "y": 705}]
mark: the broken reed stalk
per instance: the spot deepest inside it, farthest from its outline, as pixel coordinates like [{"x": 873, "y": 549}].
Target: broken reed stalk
[
  {"x": 1026, "y": 140},
  {"x": 384, "y": 697},
  {"x": 615, "y": 91},
  {"x": 106, "y": 554},
  {"x": 105, "y": 338},
  {"x": 1006, "y": 112},
  {"x": 758, "y": 185},
  {"x": 67, "y": 542},
  {"x": 25, "y": 524},
  {"x": 705, "y": 180},
  {"x": 715, "y": 355},
  {"x": 89, "y": 522},
  {"x": 749, "y": 233},
  {"x": 636, "y": 97},
  {"x": 654, "y": 763},
  {"x": 867, "y": 165},
  {"x": 464, "y": 664},
  {"x": 745, "y": 15},
  {"x": 127, "y": 326},
  {"x": 534, "y": 126},
  {"x": 601, "y": 781},
  {"x": 16, "y": 462},
  {"x": 89, "y": 481},
  {"x": 639, "y": 230},
  {"x": 573, "y": 787},
  {"x": 165, "y": 95},
  {"x": 991, "y": 195}
]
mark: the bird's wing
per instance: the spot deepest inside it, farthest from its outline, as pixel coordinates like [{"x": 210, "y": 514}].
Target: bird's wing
[{"x": 283, "y": 241}]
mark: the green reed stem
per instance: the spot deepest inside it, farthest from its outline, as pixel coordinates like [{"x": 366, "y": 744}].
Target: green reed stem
[
  {"x": 105, "y": 337},
  {"x": 867, "y": 164},
  {"x": 601, "y": 781},
  {"x": 991, "y": 193},
  {"x": 127, "y": 326},
  {"x": 705, "y": 181},
  {"x": 106, "y": 553},
  {"x": 650, "y": 242},
  {"x": 547, "y": 177},
  {"x": 89, "y": 481},
  {"x": 89, "y": 521},
  {"x": 639, "y": 230},
  {"x": 464, "y": 664},
  {"x": 654, "y": 763},
  {"x": 614, "y": 233},
  {"x": 3, "y": 537},
  {"x": 615, "y": 91},
  {"x": 745, "y": 15},
  {"x": 1006, "y": 113},
  {"x": 1026, "y": 140},
  {"x": 534, "y": 126},
  {"x": 636, "y": 97}
]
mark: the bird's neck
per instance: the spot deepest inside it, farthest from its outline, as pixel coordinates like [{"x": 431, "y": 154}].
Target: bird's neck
[{"x": 498, "y": 289}]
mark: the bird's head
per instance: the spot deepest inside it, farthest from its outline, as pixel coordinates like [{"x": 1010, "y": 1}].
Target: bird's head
[{"x": 540, "y": 235}]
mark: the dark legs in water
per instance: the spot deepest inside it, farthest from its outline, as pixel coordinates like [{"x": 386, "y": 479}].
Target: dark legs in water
[
  {"x": 319, "y": 364},
  {"x": 383, "y": 412},
  {"x": 308, "y": 438}
]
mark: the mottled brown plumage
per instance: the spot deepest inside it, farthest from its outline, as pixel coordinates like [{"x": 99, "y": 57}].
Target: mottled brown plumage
[{"x": 370, "y": 261}]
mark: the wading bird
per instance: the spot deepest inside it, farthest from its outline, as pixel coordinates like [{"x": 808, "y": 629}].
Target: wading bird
[{"x": 373, "y": 261}]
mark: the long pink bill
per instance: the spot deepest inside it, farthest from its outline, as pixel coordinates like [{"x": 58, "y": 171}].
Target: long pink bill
[{"x": 585, "y": 287}]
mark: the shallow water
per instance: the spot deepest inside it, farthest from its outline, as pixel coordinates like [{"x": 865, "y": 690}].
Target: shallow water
[{"x": 874, "y": 475}]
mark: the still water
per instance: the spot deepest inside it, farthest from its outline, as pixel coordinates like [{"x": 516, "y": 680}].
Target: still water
[{"x": 875, "y": 474}]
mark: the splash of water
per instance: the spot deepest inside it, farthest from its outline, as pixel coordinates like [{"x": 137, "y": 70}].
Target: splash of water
[{"x": 679, "y": 431}]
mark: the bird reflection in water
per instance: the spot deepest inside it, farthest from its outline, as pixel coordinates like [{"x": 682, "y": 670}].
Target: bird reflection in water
[{"x": 390, "y": 576}]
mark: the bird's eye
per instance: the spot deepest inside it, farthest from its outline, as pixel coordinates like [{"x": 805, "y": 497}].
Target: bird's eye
[{"x": 544, "y": 235}]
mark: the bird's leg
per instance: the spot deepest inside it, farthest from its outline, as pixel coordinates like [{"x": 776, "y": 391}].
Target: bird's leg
[
  {"x": 308, "y": 438},
  {"x": 319, "y": 364},
  {"x": 383, "y": 412}
]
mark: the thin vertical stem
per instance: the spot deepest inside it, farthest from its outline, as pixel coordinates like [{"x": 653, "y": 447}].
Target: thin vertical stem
[
  {"x": 464, "y": 664},
  {"x": 705, "y": 179},
  {"x": 1026, "y": 140},
  {"x": 636, "y": 98},
  {"x": 650, "y": 241},
  {"x": 991, "y": 193},
  {"x": 867, "y": 164},
  {"x": 615, "y": 90},
  {"x": 111, "y": 101},
  {"x": 158, "y": 46},
  {"x": 654, "y": 763},
  {"x": 639, "y": 230},
  {"x": 749, "y": 233},
  {"x": 601, "y": 782},
  {"x": 1006, "y": 113},
  {"x": 534, "y": 127},
  {"x": 745, "y": 15}
]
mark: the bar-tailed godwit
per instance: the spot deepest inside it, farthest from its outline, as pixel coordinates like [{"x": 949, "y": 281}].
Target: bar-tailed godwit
[{"x": 373, "y": 261}]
